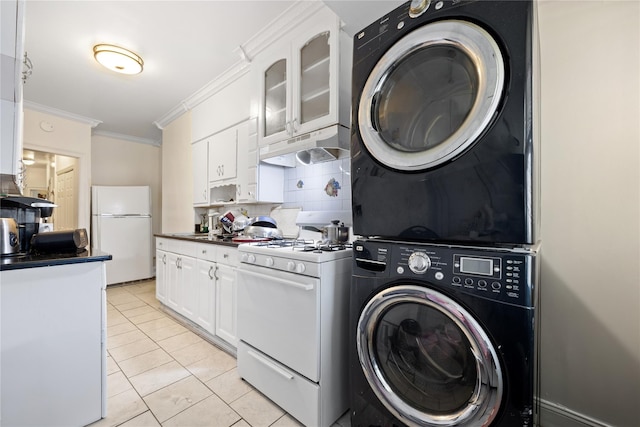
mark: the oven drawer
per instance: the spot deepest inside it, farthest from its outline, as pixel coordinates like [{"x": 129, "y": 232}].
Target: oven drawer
[
  {"x": 292, "y": 392},
  {"x": 279, "y": 313}
]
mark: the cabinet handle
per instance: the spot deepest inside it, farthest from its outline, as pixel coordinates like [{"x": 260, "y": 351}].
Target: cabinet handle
[
  {"x": 238, "y": 190},
  {"x": 28, "y": 65},
  {"x": 225, "y": 256},
  {"x": 294, "y": 128},
  {"x": 178, "y": 263},
  {"x": 270, "y": 365},
  {"x": 204, "y": 194},
  {"x": 287, "y": 128},
  {"x": 210, "y": 275},
  {"x": 222, "y": 170},
  {"x": 164, "y": 259},
  {"x": 215, "y": 273}
]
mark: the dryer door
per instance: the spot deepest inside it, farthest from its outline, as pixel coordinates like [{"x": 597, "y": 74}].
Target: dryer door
[
  {"x": 428, "y": 360},
  {"x": 431, "y": 95}
]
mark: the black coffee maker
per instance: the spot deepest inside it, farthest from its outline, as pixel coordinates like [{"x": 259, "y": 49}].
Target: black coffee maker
[{"x": 27, "y": 211}]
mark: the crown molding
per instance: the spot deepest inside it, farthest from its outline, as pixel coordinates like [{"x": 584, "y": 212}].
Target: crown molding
[
  {"x": 280, "y": 26},
  {"x": 61, "y": 113},
  {"x": 232, "y": 74},
  {"x": 124, "y": 137}
]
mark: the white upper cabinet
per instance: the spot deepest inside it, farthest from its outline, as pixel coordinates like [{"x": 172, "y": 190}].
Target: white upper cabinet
[
  {"x": 223, "y": 149},
  {"x": 200, "y": 160},
  {"x": 228, "y": 106},
  {"x": 257, "y": 182},
  {"x": 300, "y": 78},
  {"x": 13, "y": 75}
]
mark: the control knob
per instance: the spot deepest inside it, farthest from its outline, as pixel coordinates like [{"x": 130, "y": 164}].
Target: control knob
[
  {"x": 269, "y": 262},
  {"x": 249, "y": 258},
  {"x": 291, "y": 266},
  {"x": 419, "y": 262}
]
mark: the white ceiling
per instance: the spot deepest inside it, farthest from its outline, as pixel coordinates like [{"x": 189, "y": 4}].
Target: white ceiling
[{"x": 184, "y": 44}]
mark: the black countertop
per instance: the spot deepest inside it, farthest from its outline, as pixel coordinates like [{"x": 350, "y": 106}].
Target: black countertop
[
  {"x": 200, "y": 238},
  {"x": 17, "y": 262}
]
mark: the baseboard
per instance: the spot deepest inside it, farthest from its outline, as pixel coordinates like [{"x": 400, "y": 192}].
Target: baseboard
[{"x": 555, "y": 415}]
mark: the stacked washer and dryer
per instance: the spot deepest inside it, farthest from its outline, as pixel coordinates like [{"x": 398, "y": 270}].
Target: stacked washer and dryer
[{"x": 444, "y": 174}]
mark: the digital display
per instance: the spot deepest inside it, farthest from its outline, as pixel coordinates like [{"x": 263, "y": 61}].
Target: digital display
[{"x": 476, "y": 266}]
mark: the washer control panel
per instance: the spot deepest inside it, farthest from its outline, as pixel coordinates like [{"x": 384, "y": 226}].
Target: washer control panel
[{"x": 501, "y": 274}]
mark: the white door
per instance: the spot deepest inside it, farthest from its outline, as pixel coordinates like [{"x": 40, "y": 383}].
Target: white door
[
  {"x": 161, "y": 276},
  {"x": 206, "y": 285},
  {"x": 226, "y": 304},
  {"x": 187, "y": 284},
  {"x": 65, "y": 216}
]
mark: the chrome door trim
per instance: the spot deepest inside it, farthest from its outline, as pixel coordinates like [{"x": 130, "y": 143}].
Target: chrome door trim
[
  {"x": 485, "y": 402},
  {"x": 487, "y": 59}
]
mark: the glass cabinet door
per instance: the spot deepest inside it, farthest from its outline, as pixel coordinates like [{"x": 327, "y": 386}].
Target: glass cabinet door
[
  {"x": 314, "y": 76},
  {"x": 275, "y": 98}
]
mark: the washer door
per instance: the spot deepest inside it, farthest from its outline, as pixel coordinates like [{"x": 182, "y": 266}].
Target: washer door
[
  {"x": 428, "y": 360},
  {"x": 431, "y": 95}
]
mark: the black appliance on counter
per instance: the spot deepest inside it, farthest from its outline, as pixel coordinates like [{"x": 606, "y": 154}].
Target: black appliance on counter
[{"x": 28, "y": 213}]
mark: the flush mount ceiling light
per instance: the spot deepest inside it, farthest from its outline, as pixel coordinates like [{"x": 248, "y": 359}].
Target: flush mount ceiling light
[{"x": 118, "y": 59}]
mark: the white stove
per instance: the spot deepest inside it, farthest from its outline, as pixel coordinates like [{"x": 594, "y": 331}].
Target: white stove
[{"x": 293, "y": 312}]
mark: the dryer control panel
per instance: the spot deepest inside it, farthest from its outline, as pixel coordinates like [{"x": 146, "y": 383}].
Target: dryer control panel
[{"x": 506, "y": 275}]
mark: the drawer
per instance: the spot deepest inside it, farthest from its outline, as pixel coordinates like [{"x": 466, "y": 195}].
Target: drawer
[
  {"x": 169, "y": 245},
  {"x": 187, "y": 248},
  {"x": 291, "y": 391},
  {"x": 227, "y": 255},
  {"x": 206, "y": 251}
]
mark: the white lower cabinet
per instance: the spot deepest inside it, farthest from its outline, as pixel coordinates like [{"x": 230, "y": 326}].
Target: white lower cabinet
[
  {"x": 226, "y": 291},
  {"x": 206, "y": 291},
  {"x": 173, "y": 300},
  {"x": 161, "y": 276},
  {"x": 187, "y": 288},
  {"x": 198, "y": 281}
]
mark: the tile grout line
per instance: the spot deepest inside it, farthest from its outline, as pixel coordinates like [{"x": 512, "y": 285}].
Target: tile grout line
[{"x": 168, "y": 385}]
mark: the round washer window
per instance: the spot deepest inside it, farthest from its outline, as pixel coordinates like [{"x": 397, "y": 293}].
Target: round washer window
[
  {"x": 427, "y": 359},
  {"x": 431, "y": 95}
]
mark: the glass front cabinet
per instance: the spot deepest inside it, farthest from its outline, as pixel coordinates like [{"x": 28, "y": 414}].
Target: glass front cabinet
[{"x": 301, "y": 78}]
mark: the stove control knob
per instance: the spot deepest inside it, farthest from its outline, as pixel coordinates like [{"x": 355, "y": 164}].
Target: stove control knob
[
  {"x": 251, "y": 258},
  {"x": 291, "y": 266},
  {"x": 300, "y": 268},
  {"x": 244, "y": 258},
  {"x": 419, "y": 262},
  {"x": 268, "y": 262}
]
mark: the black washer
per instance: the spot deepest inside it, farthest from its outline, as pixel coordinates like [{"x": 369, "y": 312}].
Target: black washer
[{"x": 428, "y": 350}]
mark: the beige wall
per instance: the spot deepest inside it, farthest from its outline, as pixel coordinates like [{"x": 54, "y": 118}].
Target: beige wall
[
  {"x": 120, "y": 162},
  {"x": 69, "y": 138},
  {"x": 177, "y": 176},
  {"x": 590, "y": 212}
]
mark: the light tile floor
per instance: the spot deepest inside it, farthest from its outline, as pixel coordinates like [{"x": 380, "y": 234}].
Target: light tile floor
[{"x": 159, "y": 373}]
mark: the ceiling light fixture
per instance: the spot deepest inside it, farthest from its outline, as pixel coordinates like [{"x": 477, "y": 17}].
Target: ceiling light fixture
[
  {"x": 28, "y": 162},
  {"x": 118, "y": 59}
]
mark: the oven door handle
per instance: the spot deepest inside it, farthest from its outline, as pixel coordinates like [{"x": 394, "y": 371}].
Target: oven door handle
[
  {"x": 270, "y": 365},
  {"x": 305, "y": 287}
]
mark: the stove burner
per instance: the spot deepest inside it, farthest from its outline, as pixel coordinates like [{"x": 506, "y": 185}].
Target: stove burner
[
  {"x": 325, "y": 247},
  {"x": 304, "y": 245}
]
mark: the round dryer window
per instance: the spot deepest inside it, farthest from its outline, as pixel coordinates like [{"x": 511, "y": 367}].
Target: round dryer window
[
  {"x": 428, "y": 360},
  {"x": 431, "y": 95}
]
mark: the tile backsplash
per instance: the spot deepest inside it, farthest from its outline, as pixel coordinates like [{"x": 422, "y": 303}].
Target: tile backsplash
[{"x": 320, "y": 187}]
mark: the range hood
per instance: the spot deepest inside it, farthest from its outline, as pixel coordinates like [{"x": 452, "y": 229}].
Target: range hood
[{"x": 330, "y": 143}]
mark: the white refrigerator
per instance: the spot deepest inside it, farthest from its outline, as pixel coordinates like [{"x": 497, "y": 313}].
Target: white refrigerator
[{"x": 121, "y": 226}]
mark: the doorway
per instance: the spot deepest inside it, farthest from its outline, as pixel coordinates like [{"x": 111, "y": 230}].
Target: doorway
[{"x": 53, "y": 177}]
